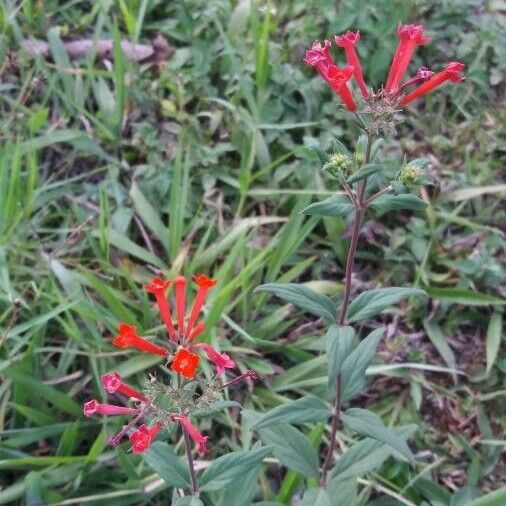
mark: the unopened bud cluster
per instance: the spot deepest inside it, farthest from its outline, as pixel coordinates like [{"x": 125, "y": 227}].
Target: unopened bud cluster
[
  {"x": 339, "y": 165},
  {"x": 411, "y": 174}
]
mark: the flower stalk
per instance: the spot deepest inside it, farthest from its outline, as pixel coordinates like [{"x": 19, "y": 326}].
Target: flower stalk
[
  {"x": 191, "y": 463},
  {"x": 360, "y": 206}
]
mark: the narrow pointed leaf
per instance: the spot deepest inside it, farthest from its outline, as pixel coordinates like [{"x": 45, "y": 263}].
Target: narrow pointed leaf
[
  {"x": 303, "y": 297},
  {"x": 494, "y": 336},
  {"x": 303, "y": 410},
  {"x": 355, "y": 365},
  {"x": 398, "y": 202},
  {"x": 292, "y": 448},
  {"x": 370, "y": 424},
  {"x": 336, "y": 205},
  {"x": 364, "y": 172},
  {"x": 229, "y": 468},
  {"x": 164, "y": 461},
  {"x": 373, "y": 302},
  {"x": 367, "y": 455},
  {"x": 339, "y": 342}
]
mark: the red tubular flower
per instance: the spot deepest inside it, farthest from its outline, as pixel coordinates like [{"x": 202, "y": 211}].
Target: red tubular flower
[
  {"x": 185, "y": 363},
  {"x": 338, "y": 79},
  {"x": 410, "y": 36},
  {"x": 422, "y": 74},
  {"x": 197, "y": 330},
  {"x": 204, "y": 284},
  {"x": 221, "y": 360},
  {"x": 348, "y": 41},
  {"x": 319, "y": 57},
  {"x": 253, "y": 375},
  {"x": 142, "y": 438},
  {"x": 158, "y": 287},
  {"x": 115, "y": 440},
  {"x": 180, "y": 284},
  {"x": 128, "y": 338},
  {"x": 93, "y": 407},
  {"x": 112, "y": 383},
  {"x": 192, "y": 432},
  {"x": 450, "y": 73}
]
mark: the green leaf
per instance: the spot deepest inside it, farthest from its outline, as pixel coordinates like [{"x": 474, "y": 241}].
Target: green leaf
[
  {"x": 230, "y": 467},
  {"x": 34, "y": 489},
  {"x": 343, "y": 492},
  {"x": 110, "y": 298},
  {"x": 240, "y": 491},
  {"x": 366, "y": 456},
  {"x": 363, "y": 457},
  {"x": 372, "y": 302},
  {"x": 125, "y": 244},
  {"x": 22, "y": 462},
  {"x": 355, "y": 365},
  {"x": 315, "y": 497},
  {"x": 167, "y": 464},
  {"x": 364, "y": 172},
  {"x": 97, "y": 447},
  {"x": 292, "y": 448},
  {"x": 398, "y": 202},
  {"x": 464, "y": 495},
  {"x": 303, "y": 297},
  {"x": 303, "y": 410},
  {"x": 336, "y": 205},
  {"x": 496, "y": 498},
  {"x": 464, "y": 297},
  {"x": 370, "y": 424},
  {"x": 59, "y": 399},
  {"x": 494, "y": 333},
  {"x": 438, "y": 340},
  {"x": 339, "y": 341},
  {"x": 149, "y": 215},
  {"x": 54, "y": 137},
  {"x": 189, "y": 500}
]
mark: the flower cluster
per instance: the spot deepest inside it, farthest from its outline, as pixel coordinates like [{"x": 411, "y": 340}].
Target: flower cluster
[
  {"x": 181, "y": 351},
  {"x": 182, "y": 334},
  {"x": 410, "y": 37}
]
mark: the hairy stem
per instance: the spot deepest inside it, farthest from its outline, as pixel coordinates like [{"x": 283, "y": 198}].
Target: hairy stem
[
  {"x": 191, "y": 465},
  {"x": 360, "y": 206},
  {"x": 188, "y": 448}
]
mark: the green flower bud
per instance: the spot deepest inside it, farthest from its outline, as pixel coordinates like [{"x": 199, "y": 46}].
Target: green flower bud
[
  {"x": 411, "y": 174},
  {"x": 359, "y": 156},
  {"x": 339, "y": 164}
]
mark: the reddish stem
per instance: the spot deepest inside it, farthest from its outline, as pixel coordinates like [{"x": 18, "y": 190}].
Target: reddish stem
[{"x": 360, "y": 209}]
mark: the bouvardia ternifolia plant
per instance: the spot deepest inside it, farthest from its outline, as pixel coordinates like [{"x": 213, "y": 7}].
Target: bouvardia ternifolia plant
[
  {"x": 170, "y": 401},
  {"x": 366, "y": 186},
  {"x": 178, "y": 400}
]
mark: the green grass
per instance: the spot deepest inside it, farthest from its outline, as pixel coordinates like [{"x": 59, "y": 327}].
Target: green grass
[{"x": 110, "y": 174}]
